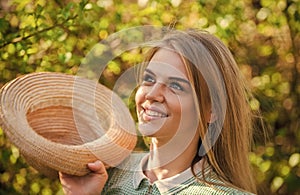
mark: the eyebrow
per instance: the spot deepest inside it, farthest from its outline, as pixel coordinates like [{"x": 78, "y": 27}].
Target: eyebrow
[{"x": 171, "y": 78}]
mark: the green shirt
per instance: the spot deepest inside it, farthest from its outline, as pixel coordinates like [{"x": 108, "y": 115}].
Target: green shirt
[{"x": 128, "y": 179}]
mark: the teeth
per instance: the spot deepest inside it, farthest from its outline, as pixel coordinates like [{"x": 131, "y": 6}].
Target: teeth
[{"x": 154, "y": 113}]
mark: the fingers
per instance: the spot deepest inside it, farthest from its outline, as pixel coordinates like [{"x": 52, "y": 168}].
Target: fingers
[
  {"x": 97, "y": 167},
  {"x": 91, "y": 183}
]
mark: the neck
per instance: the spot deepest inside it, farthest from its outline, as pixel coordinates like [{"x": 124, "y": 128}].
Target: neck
[{"x": 166, "y": 161}]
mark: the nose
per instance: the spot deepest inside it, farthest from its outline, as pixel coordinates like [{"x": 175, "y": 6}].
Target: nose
[{"x": 156, "y": 92}]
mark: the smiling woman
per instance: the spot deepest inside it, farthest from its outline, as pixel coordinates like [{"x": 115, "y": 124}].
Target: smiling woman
[
  {"x": 164, "y": 96},
  {"x": 192, "y": 103}
]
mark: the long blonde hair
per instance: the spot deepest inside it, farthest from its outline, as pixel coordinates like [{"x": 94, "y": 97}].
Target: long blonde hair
[{"x": 228, "y": 156}]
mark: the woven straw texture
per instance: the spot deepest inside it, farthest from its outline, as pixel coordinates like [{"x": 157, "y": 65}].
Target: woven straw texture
[{"x": 62, "y": 122}]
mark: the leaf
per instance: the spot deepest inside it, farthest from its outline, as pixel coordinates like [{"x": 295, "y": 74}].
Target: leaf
[{"x": 4, "y": 25}]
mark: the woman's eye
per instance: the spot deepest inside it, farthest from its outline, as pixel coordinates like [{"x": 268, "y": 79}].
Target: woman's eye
[
  {"x": 148, "y": 79},
  {"x": 177, "y": 86}
]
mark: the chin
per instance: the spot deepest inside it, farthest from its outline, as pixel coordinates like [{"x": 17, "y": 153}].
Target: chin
[
  {"x": 147, "y": 129},
  {"x": 151, "y": 128}
]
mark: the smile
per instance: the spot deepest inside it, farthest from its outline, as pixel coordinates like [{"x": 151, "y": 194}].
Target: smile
[
  {"x": 153, "y": 113},
  {"x": 148, "y": 115}
]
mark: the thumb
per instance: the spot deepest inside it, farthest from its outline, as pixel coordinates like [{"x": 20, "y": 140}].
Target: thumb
[{"x": 97, "y": 167}]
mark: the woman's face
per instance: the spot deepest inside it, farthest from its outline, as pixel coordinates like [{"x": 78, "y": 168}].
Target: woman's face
[{"x": 164, "y": 100}]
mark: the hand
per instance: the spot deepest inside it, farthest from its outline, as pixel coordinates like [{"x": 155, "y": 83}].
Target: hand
[{"x": 89, "y": 184}]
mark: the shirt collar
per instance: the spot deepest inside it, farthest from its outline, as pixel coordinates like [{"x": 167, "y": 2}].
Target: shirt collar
[
  {"x": 175, "y": 182},
  {"x": 138, "y": 175}
]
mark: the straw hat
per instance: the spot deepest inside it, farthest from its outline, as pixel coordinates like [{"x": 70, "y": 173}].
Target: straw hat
[{"x": 62, "y": 122}]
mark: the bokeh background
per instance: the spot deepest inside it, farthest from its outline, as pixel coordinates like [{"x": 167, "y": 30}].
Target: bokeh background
[{"x": 263, "y": 35}]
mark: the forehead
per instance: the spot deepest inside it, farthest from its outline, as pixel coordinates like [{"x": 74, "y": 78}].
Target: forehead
[{"x": 168, "y": 62}]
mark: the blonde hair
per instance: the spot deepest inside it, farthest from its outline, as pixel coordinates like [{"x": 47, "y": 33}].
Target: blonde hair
[{"x": 228, "y": 156}]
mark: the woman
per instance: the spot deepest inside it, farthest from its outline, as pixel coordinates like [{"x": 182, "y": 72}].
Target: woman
[{"x": 192, "y": 103}]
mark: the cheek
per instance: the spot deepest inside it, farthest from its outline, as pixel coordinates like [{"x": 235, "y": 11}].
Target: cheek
[
  {"x": 189, "y": 120},
  {"x": 177, "y": 107},
  {"x": 184, "y": 106},
  {"x": 139, "y": 96},
  {"x": 188, "y": 110}
]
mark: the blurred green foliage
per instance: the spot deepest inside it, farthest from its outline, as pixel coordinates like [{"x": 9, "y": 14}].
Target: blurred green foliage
[{"x": 263, "y": 35}]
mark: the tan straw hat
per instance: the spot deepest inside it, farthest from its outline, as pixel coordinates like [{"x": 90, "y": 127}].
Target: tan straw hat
[{"x": 61, "y": 122}]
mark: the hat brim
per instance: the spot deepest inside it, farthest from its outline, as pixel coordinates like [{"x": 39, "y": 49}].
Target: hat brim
[{"x": 61, "y": 122}]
